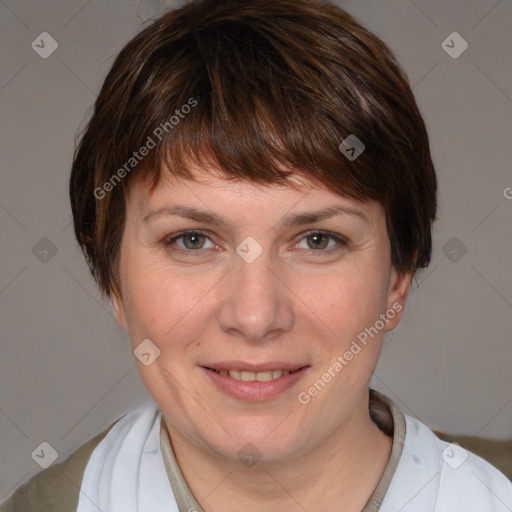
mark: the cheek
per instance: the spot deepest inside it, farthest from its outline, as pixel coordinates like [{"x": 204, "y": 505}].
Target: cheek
[
  {"x": 162, "y": 301},
  {"x": 345, "y": 301}
]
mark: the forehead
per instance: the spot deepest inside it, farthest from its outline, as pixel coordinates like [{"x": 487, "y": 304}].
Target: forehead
[{"x": 210, "y": 189}]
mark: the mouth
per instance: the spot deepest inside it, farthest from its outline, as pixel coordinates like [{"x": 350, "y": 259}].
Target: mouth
[{"x": 253, "y": 382}]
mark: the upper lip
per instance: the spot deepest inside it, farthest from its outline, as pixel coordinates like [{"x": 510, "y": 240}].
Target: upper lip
[{"x": 251, "y": 367}]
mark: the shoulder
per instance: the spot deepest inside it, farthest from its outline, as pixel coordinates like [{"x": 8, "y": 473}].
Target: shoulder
[
  {"x": 56, "y": 488},
  {"x": 436, "y": 475}
]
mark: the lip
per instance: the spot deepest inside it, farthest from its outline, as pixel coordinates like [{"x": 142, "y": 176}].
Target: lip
[{"x": 255, "y": 391}]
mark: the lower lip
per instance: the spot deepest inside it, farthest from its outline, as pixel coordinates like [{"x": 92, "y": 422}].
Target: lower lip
[{"x": 255, "y": 391}]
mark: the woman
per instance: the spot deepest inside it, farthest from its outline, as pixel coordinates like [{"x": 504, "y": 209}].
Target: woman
[{"x": 255, "y": 193}]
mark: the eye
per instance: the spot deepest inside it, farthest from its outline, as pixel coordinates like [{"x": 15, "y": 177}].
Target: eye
[
  {"x": 189, "y": 241},
  {"x": 321, "y": 241}
]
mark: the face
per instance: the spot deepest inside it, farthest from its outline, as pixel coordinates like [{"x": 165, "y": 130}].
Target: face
[{"x": 264, "y": 308}]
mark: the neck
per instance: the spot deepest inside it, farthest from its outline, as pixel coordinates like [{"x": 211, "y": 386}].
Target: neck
[{"x": 344, "y": 469}]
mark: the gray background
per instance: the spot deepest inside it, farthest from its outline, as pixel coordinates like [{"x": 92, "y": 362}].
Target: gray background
[{"x": 66, "y": 370}]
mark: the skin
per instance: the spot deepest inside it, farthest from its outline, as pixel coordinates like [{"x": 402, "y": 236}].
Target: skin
[{"x": 304, "y": 299}]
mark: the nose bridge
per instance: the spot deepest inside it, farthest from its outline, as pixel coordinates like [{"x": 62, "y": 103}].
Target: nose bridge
[{"x": 255, "y": 301}]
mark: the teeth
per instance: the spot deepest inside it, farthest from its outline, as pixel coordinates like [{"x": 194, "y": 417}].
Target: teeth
[
  {"x": 248, "y": 376},
  {"x": 265, "y": 376},
  {"x": 235, "y": 374},
  {"x": 253, "y": 376}
]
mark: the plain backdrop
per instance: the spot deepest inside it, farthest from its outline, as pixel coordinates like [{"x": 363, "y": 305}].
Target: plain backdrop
[{"x": 66, "y": 368}]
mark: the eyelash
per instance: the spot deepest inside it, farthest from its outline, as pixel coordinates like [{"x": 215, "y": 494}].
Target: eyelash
[{"x": 168, "y": 242}]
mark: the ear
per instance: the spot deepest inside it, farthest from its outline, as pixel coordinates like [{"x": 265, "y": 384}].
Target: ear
[
  {"x": 399, "y": 286},
  {"x": 118, "y": 306}
]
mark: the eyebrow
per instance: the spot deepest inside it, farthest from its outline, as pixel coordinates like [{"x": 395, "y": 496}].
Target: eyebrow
[{"x": 291, "y": 220}]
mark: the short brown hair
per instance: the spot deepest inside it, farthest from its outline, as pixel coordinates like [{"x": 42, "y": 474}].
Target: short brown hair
[{"x": 269, "y": 84}]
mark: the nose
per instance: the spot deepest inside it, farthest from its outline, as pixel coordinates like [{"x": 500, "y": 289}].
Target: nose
[{"x": 256, "y": 304}]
